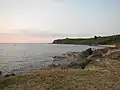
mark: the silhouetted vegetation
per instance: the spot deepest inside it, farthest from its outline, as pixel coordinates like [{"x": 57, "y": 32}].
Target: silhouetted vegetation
[
  {"x": 96, "y": 40},
  {"x": 95, "y": 37}
]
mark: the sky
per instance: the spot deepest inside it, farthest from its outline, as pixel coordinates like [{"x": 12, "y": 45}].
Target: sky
[{"x": 42, "y": 21}]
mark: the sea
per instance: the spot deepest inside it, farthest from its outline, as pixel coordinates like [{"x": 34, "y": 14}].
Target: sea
[{"x": 30, "y": 57}]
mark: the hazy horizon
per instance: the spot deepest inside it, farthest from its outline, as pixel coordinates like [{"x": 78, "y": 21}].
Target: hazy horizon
[{"x": 42, "y": 21}]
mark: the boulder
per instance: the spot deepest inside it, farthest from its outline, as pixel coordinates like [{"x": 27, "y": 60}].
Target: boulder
[
  {"x": 9, "y": 75},
  {"x": 81, "y": 65},
  {"x": 95, "y": 55},
  {"x": 61, "y": 62},
  {"x": 58, "y": 58},
  {"x": 73, "y": 59},
  {"x": 74, "y": 65},
  {"x": 114, "y": 54},
  {"x": 87, "y": 52},
  {"x": 98, "y": 58},
  {"x": 53, "y": 65},
  {"x": 0, "y": 73},
  {"x": 85, "y": 63}
]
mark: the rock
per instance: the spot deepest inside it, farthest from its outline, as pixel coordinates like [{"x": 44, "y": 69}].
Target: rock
[
  {"x": 81, "y": 65},
  {"x": 101, "y": 62},
  {"x": 57, "y": 58},
  {"x": 114, "y": 54},
  {"x": 61, "y": 62},
  {"x": 74, "y": 65},
  {"x": 53, "y": 65},
  {"x": 95, "y": 55},
  {"x": 64, "y": 67},
  {"x": 87, "y": 52},
  {"x": 85, "y": 63},
  {"x": 98, "y": 57},
  {"x": 0, "y": 73},
  {"x": 82, "y": 59},
  {"x": 9, "y": 75},
  {"x": 73, "y": 59}
]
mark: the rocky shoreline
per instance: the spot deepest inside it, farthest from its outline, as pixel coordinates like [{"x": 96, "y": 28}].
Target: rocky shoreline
[
  {"x": 96, "y": 57},
  {"x": 91, "y": 56},
  {"x": 66, "y": 70}
]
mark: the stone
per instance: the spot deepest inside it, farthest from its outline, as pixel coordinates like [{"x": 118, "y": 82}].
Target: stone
[
  {"x": 57, "y": 58},
  {"x": 95, "y": 55},
  {"x": 73, "y": 59},
  {"x": 81, "y": 65},
  {"x": 9, "y": 75},
  {"x": 74, "y": 65},
  {"x": 0, "y": 72},
  {"x": 114, "y": 54},
  {"x": 87, "y": 52}
]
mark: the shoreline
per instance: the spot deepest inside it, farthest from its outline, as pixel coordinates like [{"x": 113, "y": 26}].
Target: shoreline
[
  {"x": 100, "y": 68},
  {"x": 53, "y": 61},
  {"x": 47, "y": 58},
  {"x": 73, "y": 57}
]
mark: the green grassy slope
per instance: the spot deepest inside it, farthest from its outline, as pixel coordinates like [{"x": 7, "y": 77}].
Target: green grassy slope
[{"x": 99, "y": 40}]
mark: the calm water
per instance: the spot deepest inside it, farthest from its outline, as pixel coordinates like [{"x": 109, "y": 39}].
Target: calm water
[{"x": 23, "y": 58}]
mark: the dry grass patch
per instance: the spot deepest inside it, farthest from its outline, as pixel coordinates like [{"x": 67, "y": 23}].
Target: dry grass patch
[{"x": 67, "y": 79}]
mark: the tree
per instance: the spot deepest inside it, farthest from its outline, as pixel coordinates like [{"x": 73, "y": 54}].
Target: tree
[
  {"x": 67, "y": 38},
  {"x": 95, "y": 37}
]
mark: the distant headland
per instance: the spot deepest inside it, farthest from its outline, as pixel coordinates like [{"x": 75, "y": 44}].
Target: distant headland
[{"x": 114, "y": 39}]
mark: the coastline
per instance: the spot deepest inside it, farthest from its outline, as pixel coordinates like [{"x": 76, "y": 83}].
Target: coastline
[
  {"x": 104, "y": 67},
  {"x": 25, "y": 58},
  {"x": 114, "y": 39}
]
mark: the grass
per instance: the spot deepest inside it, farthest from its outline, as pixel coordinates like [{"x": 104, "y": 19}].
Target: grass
[
  {"x": 107, "y": 78},
  {"x": 99, "y": 40}
]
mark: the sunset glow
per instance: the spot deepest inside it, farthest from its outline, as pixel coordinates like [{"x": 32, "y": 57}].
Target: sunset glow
[
  {"x": 23, "y": 39},
  {"x": 41, "y": 21}
]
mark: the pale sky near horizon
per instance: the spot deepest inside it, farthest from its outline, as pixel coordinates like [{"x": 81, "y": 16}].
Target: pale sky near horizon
[{"x": 41, "y": 21}]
